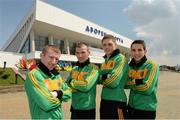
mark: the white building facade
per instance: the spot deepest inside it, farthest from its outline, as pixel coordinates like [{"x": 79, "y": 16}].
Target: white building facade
[{"x": 45, "y": 24}]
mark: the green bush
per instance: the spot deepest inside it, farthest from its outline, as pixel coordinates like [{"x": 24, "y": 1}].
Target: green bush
[
  {"x": 8, "y": 77},
  {"x": 5, "y": 76}
]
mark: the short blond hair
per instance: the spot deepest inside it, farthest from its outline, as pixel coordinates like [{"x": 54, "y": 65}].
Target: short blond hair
[
  {"x": 80, "y": 44},
  {"x": 51, "y": 47}
]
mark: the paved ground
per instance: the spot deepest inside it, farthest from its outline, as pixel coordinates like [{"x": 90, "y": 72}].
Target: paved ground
[{"x": 15, "y": 106}]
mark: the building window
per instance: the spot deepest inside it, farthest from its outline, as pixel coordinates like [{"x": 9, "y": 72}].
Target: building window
[
  {"x": 40, "y": 42},
  {"x": 60, "y": 44},
  {"x": 72, "y": 47},
  {"x": 26, "y": 46}
]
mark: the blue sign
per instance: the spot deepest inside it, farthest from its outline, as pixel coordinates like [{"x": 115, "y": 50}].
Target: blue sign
[{"x": 100, "y": 33}]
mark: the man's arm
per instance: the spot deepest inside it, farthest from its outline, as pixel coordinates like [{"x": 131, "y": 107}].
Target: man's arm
[
  {"x": 39, "y": 92},
  {"x": 115, "y": 76},
  {"x": 87, "y": 81},
  {"x": 149, "y": 83}
]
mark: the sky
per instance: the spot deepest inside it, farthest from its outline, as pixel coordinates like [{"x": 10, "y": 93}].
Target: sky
[{"x": 155, "y": 21}]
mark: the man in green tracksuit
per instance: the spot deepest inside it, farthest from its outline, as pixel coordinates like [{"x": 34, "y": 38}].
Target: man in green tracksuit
[
  {"x": 113, "y": 72},
  {"x": 142, "y": 80},
  {"x": 82, "y": 80},
  {"x": 45, "y": 88}
]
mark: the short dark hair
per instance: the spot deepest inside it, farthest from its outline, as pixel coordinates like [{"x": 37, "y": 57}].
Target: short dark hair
[
  {"x": 108, "y": 36},
  {"x": 139, "y": 42}
]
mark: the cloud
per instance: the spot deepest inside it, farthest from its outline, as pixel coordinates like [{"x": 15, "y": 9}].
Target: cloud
[
  {"x": 166, "y": 60},
  {"x": 158, "y": 23}
]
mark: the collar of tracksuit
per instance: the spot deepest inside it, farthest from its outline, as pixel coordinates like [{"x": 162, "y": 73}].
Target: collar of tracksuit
[
  {"x": 133, "y": 63},
  {"x": 45, "y": 70},
  {"x": 81, "y": 65},
  {"x": 115, "y": 52}
]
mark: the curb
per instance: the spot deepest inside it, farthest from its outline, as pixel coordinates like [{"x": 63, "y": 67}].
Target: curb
[{"x": 11, "y": 89}]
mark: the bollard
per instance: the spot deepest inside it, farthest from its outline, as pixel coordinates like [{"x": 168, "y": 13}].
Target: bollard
[
  {"x": 16, "y": 80},
  {"x": 4, "y": 64}
]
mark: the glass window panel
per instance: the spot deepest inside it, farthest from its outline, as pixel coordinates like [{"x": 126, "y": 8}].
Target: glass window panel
[
  {"x": 40, "y": 42},
  {"x": 26, "y": 46},
  {"x": 60, "y": 44},
  {"x": 72, "y": 47}
]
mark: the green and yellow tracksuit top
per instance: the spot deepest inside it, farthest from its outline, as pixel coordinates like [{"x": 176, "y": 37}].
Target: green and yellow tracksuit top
[
  {"x": 38, "y": 85},
  {"x": 112, "y": 77},
  {"x": 143, "y": 81},
  {"x": 83, "y": 80}
]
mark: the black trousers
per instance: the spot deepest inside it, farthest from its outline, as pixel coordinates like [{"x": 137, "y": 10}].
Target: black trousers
[
  {"x": 83, "y": 114},
  {"x": 112, "y": 109},
  {"x": 140, "y": 114}
]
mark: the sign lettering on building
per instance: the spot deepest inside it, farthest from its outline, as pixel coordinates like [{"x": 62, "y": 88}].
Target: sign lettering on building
[{"x": 99, "y": 32}]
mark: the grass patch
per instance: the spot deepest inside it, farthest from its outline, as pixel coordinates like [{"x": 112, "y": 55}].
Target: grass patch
[{"x": 8, "y": 77}]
